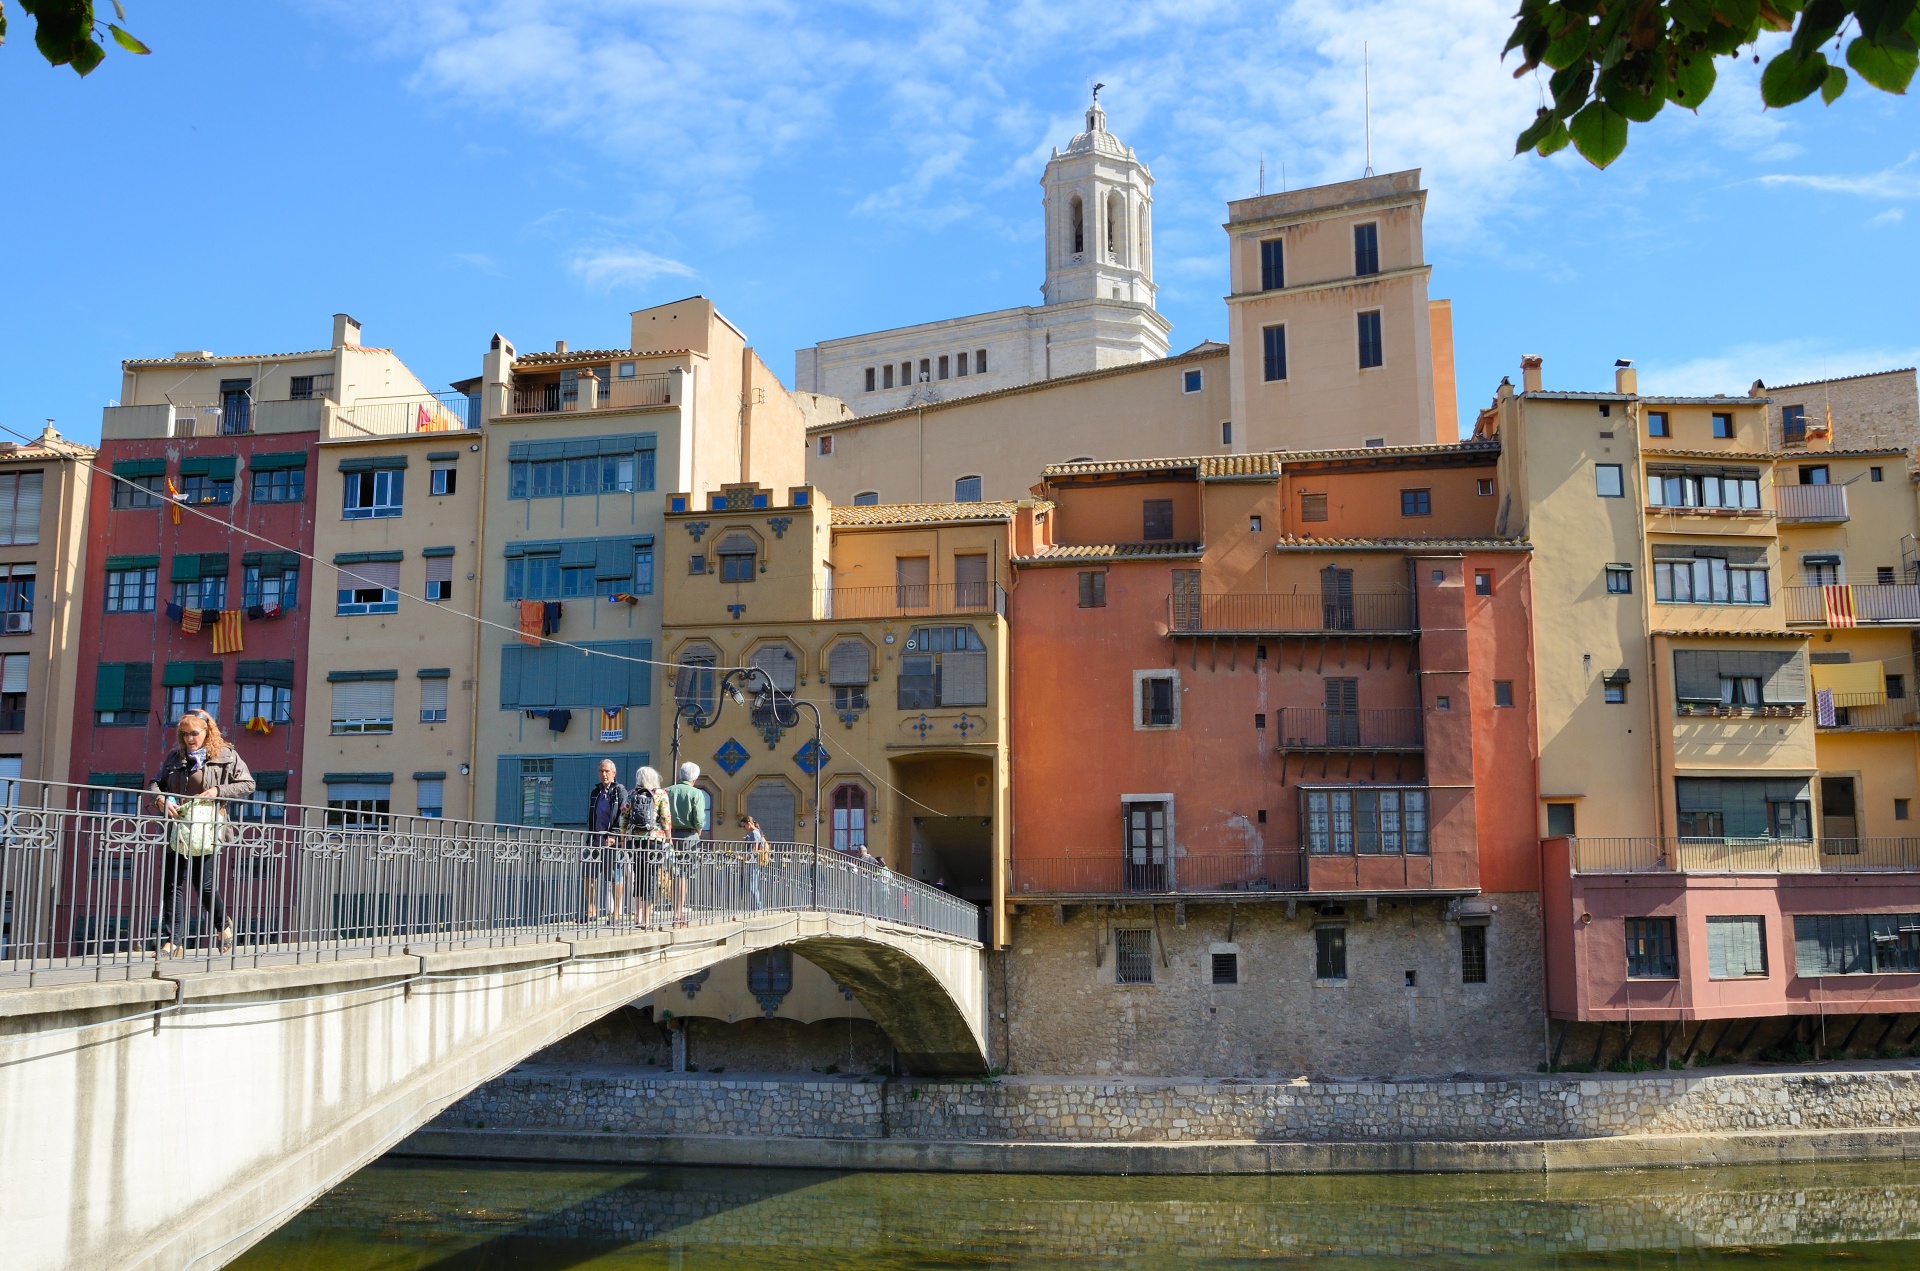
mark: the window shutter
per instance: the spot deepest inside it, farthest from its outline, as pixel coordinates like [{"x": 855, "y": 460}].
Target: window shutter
[
  {"x": 439, "y": 569},
  {"x": 613, "y": 558},
  {"x": 506, "y": 791},
  {"x": 1156, "y": 518},
  {"x": 1717, "y": 933},
  {"x": 1313, "y": 507},
  {"x": 1086, "y": 591},
  {"x": 573, "y": 673},
  {"x": 277, "y": 673},
  {"x": 382, "y": 574},
  {"x": 363, "y": 699},
  {"x": 737, "y": 544},
  {"x": 773, "y": 805},
  {"x": 109, "y": 686},
  {"x": 970, "y": 572},
  {"x": 573, "y": 776},
  {"x": 1786, "y": 678},
  {"x": 850, "y": 662},
  {"x": 433, "y": 695},
  {"x": 138, "y": 692},
  {"x": 963, "y": 679},
  {"x": 780, "y": 665},
  {"x": 539, "y": 678},
  {"x": 1186, "y": 600},
  {"x": 23, "y": 526},
  {"x": 186, "y": 568},
  {"x": 1696, "y": 675},
  {"x": 511, "y": 688}
]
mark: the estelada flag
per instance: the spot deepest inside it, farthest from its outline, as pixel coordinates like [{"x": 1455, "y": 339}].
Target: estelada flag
[{"x": 226, "y": 632}]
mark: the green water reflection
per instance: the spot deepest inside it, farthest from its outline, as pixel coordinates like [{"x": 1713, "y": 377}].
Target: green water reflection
[{"x": 410, "y": 1216}]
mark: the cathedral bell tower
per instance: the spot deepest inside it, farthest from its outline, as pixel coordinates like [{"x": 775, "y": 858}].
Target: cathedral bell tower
[{"x": 1099, "y": 208}]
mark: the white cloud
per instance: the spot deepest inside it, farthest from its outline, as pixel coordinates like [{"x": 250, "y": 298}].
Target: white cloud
[
  {"x": 1900, "y": 181},
  {"x": 1892, "y": 216},
  {"x": 1734, "y": 369},
  {"x": 604, "y": 268}
]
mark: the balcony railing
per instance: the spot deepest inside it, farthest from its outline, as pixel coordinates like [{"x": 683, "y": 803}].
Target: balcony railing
[
  {"x": 1745, "y": 856},
  {"x": 1115, "y": 873},
  {"x": 1261, "y": 614},
  {"x": 1853, "y": 604},
  {"x": 1316, "y": 728},
  {"x": 909, "y": 600},
  {"x": 1811, "y": 502},
  {"x": 1895, "y": 713},
  {"x": 614, "y": 394},
  {"x": 403, "y": 416}
]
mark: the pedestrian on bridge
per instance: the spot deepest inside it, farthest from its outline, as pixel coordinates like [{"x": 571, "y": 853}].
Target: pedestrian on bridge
[
  {"x": 645, "y": 822},
  {"x": 196, "y": 779},
  {"x": 687, "y": 808},
  {"x": 605, "y": 802}
]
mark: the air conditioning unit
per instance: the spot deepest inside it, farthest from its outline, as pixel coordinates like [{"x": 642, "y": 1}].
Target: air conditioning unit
[{"x": 19, "y": 623}]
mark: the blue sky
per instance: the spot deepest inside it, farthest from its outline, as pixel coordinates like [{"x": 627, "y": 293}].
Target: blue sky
[{"x": 445, "y": 169}]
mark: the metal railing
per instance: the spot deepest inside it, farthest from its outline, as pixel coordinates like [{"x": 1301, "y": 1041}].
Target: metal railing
[
  {"x": 909, "y": 600},
  {"x": 1316, "y": 728},
  {"x": 91, "y": 888},
  {"x": 1744, "y": 856},
  {"x": 1116, "y": 873},
  {"x": 553, "y": 398},
  {"x": 1301, "y": 611},
  {"x": 1811, "y": 502},
  {"x": 1898, "y": 713},
  {"x": 1870, "y": 603},
  {"x": 404, "y": 416}
]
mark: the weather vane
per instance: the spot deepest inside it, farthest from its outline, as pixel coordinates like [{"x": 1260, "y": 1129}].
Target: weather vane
[{"x": 1096, "y": 92}]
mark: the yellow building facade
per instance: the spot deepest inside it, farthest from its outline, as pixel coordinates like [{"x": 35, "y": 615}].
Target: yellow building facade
[{"x": 887, "y": 619}]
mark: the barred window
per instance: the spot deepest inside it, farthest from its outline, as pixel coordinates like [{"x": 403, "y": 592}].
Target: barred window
[{"x": 1133, "y": 955}]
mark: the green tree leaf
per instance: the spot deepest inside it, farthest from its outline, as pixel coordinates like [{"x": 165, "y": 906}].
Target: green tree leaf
[
  {"x": 1554, "y": 141},
  {"x": 126, "y": 41},
  {"x": 1884, "y": 63},
  {"x": 1599, "y": 133},
  {"x": 1693, "y": 78},
  {"x": 1543, "y": 123},
  {"x": 1833, "y": 85},
  {"x": 1790, "y": 78}
]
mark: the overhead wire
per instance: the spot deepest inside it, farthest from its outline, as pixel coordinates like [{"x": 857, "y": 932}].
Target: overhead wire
[{"x": 476, "y": 617}]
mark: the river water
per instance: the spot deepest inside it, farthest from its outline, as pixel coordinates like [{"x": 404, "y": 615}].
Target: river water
[{"x": 420, "y": 1216}]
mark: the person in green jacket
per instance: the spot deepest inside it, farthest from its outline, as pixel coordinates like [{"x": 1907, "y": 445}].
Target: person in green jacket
[{"x": 687, "y": 808}]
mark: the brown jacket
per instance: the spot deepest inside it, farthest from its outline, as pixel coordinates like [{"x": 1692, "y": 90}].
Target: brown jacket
[{"x": 225, "y": 776}]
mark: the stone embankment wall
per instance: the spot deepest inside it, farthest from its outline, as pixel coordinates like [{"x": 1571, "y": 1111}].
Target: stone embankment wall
[{"x": 1033, "y": 1109}]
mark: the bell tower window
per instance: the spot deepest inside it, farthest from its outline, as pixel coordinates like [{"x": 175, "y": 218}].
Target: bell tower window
[
  {"x": 1116, "y": 231},
  {"x": 1077, "y": 215}
]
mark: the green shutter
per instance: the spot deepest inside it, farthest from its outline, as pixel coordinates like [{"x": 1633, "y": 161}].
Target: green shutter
[
  {"x": 213, "y": 467},
  {"x": 213, "y": 564},
  {"x": 436, "y": 551},
  {"x": 140, "y": 468},
  {"x": 116, "y": 564},
  {"x": 270, "y": 780},
  {"x": 138, "y": 693},
  {"x": 368, "y": 558},
  {"x": 434, "y": 673},
  {"x": 358, "y": 677},
  {"x": 278, "y": 461},
  {"x": 181, "y": 674},
  {"x": 263, "y": 671},
  {"x": 186, "y": 567},
  {"x": 384, "y": 463},
  {"x": 110, "y": 686}
]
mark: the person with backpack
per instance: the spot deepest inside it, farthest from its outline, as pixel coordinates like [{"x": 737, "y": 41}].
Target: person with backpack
[
  {"x": 601, "y": 866},
  {"x": 645, "y": 822},
  {"x": 197, "y": 778},
  {"x": 687, "y": 813}
]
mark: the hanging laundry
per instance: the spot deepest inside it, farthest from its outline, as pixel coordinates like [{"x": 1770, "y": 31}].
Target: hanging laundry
[
  {"x": 1839, "y": 604},
  {"x": 174, "y": 612},
  {"x": 557, "y": 721},
  {"x": 260, "y": 724},
  {"x": 173, "y": 492},
  {"x": 536, "y": 714},
  {"x": 1823, "y": 712},
  {"x": 532, "y": 621},
  {"x": 613, "y": 723},
  {"x": 226, "y": 632},
  {"x": 550, "y": 618},
  {"x": 190, "y": 621},
  {"x": 256, "y": 612},
  {"x": 623, "y": 598}
]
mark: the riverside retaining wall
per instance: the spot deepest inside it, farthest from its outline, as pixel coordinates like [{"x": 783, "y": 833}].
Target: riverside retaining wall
[{"x": 1059, "y": 1110}]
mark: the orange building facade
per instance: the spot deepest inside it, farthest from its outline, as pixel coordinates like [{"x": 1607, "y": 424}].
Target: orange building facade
[{"x": 1272, "y": 767}]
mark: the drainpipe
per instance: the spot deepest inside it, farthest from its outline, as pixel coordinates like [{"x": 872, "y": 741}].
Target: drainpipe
[{"x": 479, "y": 576}]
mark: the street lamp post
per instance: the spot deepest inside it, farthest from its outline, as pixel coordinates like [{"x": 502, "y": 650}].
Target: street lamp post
[{"x": 736, "y": 684}]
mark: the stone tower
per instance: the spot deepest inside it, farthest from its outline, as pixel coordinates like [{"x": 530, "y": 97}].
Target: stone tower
[{"x": 1099, "y": 209}]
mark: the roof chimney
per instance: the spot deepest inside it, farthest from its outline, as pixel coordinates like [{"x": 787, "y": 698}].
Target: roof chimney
[
  {"x": 559, "y": 346},
  {"x": 1625, "y": 379},
  {"x": 346, "y": 332},
  {"x": 1530, "y": 373}
]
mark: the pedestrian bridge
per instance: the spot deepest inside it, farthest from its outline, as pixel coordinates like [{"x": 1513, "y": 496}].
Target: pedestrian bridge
[{"x": 168, "y": 1113}]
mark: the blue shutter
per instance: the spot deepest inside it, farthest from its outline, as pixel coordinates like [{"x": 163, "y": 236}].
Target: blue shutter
[
  {"x": 640, "y": 674},
  {"x": 608, "y": 675},
  {"x": 506, "y": 794},
  {"x": 537, "y": 677},
  {"x": 573, "y": 678},
  {"x": 510, "y": 686},
  {"x": 573, "y": 777}
]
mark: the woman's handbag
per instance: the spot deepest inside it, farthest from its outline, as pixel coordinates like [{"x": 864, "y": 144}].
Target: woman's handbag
[{"x": 196, "y": 828}]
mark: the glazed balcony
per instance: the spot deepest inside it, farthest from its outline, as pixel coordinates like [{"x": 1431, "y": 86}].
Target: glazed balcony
[
  {"x": 1309, "y": 613},
  {"x": 1852, "y": 604},
  {"x": 1805, "y": 504},
  {"x": 1314, "y": 728},
  {"x": 1745, "y": 855}
]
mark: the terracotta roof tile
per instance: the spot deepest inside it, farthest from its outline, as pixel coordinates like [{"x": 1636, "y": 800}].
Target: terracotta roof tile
[
  {"x": 1305, "y": 543},
  {"x": 1265, "y": 464},
  {"x": 1072, "y": 553},
  {"x": 1698, "y": 633},
  {"x": 588, "y": 356},
  {"x": 136, "y": 363},
  {"x": 868, "y": 514}
]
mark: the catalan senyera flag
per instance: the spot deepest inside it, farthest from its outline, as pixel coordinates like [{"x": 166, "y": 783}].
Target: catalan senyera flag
[
  {"x": 1839, "y": 603},
  {"x": 190, "y": 621},
  {"x": 173, "y": 493},
  {"x": 260, "y": 724},
  {"x": 226, "y": 631}
]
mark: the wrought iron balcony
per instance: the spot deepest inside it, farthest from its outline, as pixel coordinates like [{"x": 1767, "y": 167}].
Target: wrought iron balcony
[
  {"x": 1745, "y": 855},
  {"x": 1316, "y": 728},
  {"x": 555, "y": 397},
  {"x": 1309, "y": 612},
  {"x": 403, "y": 416},
  {"x": 1894, "y": 713},
  {"x": 1117, "y": 873}
]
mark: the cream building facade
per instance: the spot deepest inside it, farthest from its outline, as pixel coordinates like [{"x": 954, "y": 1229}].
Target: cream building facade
[
  {"x": 43, "y": 518},
  {"x": 581, "y": 446},
  {"x": 1097, "y": 301}
]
